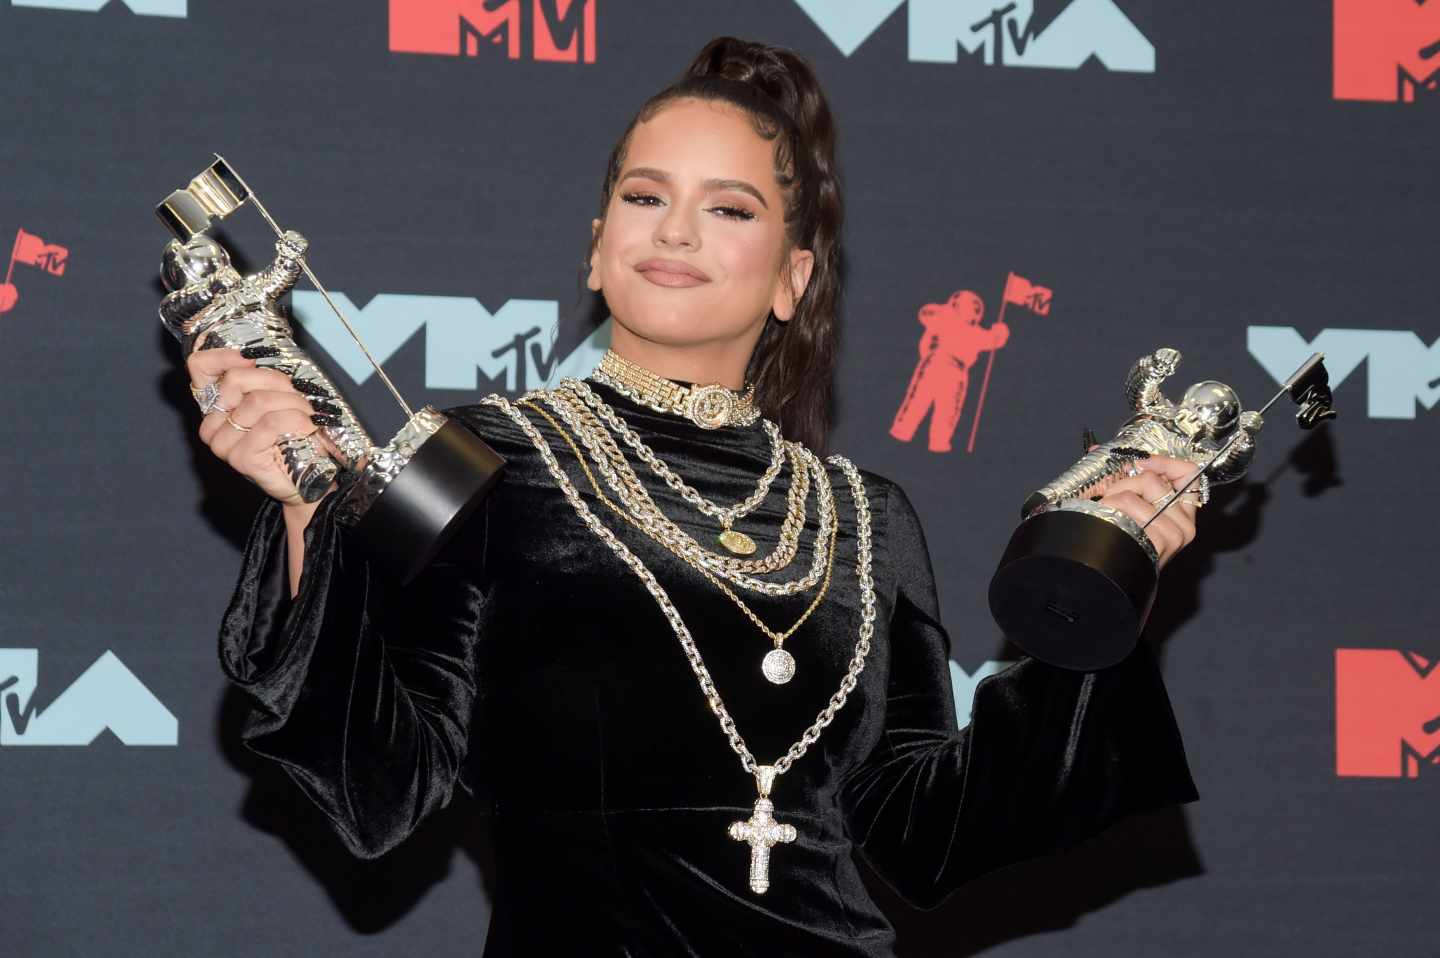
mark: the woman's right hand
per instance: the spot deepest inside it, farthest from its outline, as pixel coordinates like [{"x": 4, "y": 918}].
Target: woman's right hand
[{"x": 267, "y": 404}]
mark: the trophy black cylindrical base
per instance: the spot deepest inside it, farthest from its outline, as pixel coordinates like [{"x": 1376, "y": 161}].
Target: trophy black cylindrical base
[
  {"x": 428, "y": 501},
  {"x": 1073, "y": 590}
]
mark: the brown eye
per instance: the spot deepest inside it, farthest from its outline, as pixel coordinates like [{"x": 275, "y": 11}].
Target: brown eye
[
  {"x": 734, "y": 212},
  {"x": 639, "y": 198}
]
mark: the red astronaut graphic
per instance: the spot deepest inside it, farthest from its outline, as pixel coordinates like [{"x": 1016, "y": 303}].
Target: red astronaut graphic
[{"x": 951, "y": 344}]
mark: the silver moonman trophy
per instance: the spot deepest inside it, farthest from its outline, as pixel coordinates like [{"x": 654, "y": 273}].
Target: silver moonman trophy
[
  {"x": 1078, "y": 578},
  {"x": 407, "y": 497}
]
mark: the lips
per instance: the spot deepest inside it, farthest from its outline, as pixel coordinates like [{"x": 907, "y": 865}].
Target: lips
[{"x": 670, "y": 272}]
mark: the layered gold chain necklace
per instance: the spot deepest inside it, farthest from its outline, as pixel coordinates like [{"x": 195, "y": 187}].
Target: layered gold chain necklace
[
  {"x": 778, "y": 665},
  {"x": 627, "y": 486},
  {"x": 761, "y": 831}
]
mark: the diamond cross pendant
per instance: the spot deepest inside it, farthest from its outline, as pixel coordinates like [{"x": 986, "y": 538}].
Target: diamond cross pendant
[{"x": 761, "y": 831}]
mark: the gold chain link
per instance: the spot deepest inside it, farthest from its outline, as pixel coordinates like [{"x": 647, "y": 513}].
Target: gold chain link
[{"x": 777, "y": 637}]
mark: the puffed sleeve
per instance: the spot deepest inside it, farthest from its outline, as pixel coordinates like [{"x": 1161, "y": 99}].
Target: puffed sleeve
[
  {"x": 1050, "y": 756},
  {"x": 362, "y": 691}
]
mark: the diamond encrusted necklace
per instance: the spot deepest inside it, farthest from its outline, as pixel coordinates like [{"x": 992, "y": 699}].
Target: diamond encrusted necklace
[
  {"x": 708, "y": 407},
  {"x": 627, "y": 486},
  {"x": 737, "y": 542}
]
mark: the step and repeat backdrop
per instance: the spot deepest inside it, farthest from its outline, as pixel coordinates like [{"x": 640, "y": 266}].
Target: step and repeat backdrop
[{"x": 1245, "y": 182}]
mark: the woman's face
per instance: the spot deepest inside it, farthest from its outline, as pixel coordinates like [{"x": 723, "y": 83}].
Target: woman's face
[{"x": 691, "y": 249}]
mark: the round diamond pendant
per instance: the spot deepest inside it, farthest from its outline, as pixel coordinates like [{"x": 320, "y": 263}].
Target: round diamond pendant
[
  {"x": 778, "y": 666},
  {"x": 737, "y": 542}
]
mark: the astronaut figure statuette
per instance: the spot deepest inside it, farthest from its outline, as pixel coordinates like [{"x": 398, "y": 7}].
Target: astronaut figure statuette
[
  {"x": 1077, "y": 580},
  {"x": 211, "y": 306},
  {"x": 404, "y": 499},
  {"x": 1193, "y": 429}
]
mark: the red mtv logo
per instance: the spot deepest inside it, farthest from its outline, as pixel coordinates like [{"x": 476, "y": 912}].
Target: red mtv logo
[
  {"x": 1387, "y": 713},
  {"x": 30, "y": 250},
  {"x": 562, "y": 30},
  {"x": 1386, "y": 50}
]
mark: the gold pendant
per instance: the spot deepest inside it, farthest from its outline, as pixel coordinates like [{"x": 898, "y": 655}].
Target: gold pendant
[{"x": 737, "y": 542}]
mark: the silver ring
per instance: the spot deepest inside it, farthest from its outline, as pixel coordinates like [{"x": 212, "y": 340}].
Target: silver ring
[
  {"x": 1131, "y": 469},
  {"x": 207, "y": 397}
]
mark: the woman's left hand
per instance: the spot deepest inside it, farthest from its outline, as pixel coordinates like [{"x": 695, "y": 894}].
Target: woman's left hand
[{"x": 1135, "y": 495}]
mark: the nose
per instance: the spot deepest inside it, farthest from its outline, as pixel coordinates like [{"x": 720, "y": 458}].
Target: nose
[{"x": 676, "y": 229}]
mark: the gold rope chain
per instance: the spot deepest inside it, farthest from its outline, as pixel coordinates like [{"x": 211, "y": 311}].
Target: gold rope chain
[
  {"x": 627, "y": 486},
  {"x": 687, "y": 642},
  {"x": 583, "y": 421},
  {"x": 795, "y": 510},
  {"x": 726, "y": 515},
  {"x": 776, "y": 637}
]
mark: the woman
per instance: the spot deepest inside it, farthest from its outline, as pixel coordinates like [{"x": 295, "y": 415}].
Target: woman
[{"x": 599, "y": 652}]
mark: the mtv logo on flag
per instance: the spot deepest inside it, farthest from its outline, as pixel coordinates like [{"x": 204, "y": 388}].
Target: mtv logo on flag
[
  {"x": 1387, "y": 713},
  {"x": 31, "y": 250},
  {"x": 1387, "y": 51},
  {"x": 553, "y": 30},
  {"x": 1021, "y": 292}
]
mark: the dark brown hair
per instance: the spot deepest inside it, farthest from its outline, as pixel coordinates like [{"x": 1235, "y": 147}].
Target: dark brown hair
[{"x": 793, "y": 364}]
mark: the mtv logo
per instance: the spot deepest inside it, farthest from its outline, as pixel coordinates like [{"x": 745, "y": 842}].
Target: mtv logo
[
  {"x": 1387, "y": 51},
  {"x": 149, "y": 8},
  {"x": 1005, "y": 32},
  {"x": 462, "y": 338},
  {"x": 107, "y": 695},
  {"x": 1387, "y": 713},
  {"x": 1402, "y": 369},
  {"x": 555, "y": 30}
]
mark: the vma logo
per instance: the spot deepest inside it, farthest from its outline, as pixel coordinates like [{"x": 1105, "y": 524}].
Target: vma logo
[
  {"x": 462, "y": 338},
  {"x": 950, "y": 345},
  {"x": 1387, "y": 51},
  {"x": 1003, "y": 32},
  {"x": 1387, "y": 713},
  {"x": 1402, "y": 368},
  {"x": 107, "y": 695},
  {"x": 556, "y": 30},
  {"x": 30, "y": 250},
  {"x": 148, "y": 8}
]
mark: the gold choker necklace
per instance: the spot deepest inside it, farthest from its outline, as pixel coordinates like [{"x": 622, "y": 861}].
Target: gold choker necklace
[{"x": 708, "y": 407}]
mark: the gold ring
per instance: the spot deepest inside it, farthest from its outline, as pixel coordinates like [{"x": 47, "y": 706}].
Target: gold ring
[{"x": 235, "y": 425}]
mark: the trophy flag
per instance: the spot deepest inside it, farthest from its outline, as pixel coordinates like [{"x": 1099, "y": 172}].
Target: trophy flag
[{"x": 1021, "y": 292}]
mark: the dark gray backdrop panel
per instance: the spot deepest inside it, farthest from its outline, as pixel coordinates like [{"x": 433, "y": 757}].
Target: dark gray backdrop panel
[{"x": 1226, "y": 190}]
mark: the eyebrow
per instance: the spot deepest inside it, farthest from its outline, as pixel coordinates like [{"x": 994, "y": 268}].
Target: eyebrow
[{"x": 660, "y": 176}]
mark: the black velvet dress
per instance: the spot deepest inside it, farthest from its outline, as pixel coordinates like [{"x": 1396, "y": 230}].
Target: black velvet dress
[{"x": 531, "y": 667}]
